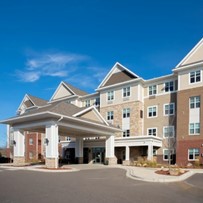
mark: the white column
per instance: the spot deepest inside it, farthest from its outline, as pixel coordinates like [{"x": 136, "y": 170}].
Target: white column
[
  {"x": 150, "y": 152},
  {"x": 52, "y": 145},
  {"x": 18, "y": 147},
  {"x": 110, "y": 147},
  {"x": 79, "y": 147},
  {"x": 127, "y": 153}
]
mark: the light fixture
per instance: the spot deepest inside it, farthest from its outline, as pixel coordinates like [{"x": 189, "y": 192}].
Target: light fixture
[
  {"x": 46, "y": 141},
  {"x": 13, "y": 142}
]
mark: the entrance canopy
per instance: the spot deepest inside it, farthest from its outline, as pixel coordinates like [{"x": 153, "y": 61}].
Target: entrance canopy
[{"x": 61, "y": 118}]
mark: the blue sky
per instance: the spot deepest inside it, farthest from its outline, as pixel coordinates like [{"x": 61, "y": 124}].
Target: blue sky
[{"x": 47, "y": 41}]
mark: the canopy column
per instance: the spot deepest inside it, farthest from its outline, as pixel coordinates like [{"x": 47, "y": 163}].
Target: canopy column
[
  {"x": 110, "y": 150},
  {"x": 51, "y": 143},
  {"x": 18, "y": 147},
  {"x": 79, "y": 149}
]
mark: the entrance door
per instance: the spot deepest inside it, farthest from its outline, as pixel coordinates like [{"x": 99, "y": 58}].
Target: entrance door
[{"x": 98, "y": 155}]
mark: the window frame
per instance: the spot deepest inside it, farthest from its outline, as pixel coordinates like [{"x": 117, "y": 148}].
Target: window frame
[
  {"x": 31, "y": 141},
  {"x": 169, "y": 86},
  {"x": 167, "y": 154},
  {"x": 149, "y": 107},
  {"x": 153, "y": 128},
  {"x": 193, "y": 154},
  {"x": 110, "y": 96},
  {"x": 87, "y": 103},
  {"x": 126, "y": 133},
  {"x": 169, "y": 110},
  {"x": 194, "y": 102},
  {"x": 125, "y": 92},
  {"x": 110, "y": 116},
  {"x": 153, "y": 90},
  {"x": 194, "y": 129},
  {"x": 173, "y": 131},
  {"x": 126, "y": 113},
  {"x": 195, "y": 77}
]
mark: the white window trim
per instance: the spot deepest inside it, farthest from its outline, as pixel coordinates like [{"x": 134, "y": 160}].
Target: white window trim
[
  {"x": 107, "y": 116},
  {"x": 164, "y": 154},
  {"x": 123, "y": 92},
  {"x": 189, "y": 155},
  {"x": 123, "y": 113},
  {"x": 31, "y": 143},
  {"x": 113, "y": 96},
  {"x": 148, "y": 111},
  {"x": 173, "y": 86},
  {"x": 195, "y": 134},
  {"x": 195, "y": 82},
  {"x": 152, "y": 128},
  {"x": 169, "y": 109},
  {"x": 167, "y": 150},
  {"x": 152, "y": 94},
  {"x": 195, "y": 102},
  {"x": 168, "y": 126}
]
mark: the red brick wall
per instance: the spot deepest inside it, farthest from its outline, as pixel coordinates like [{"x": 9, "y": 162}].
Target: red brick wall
[{"x": 182, "y": 151}]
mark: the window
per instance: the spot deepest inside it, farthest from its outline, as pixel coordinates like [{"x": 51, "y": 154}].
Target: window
[
  {"x": 152, "y": 90},
  {"x": 110, "y": 115},
  {"x": 97, "y": 102},
  {"x": 195, "y": 102},
  {"x": 169, "y": 86},
  {"x": 193, "y": 154},
  {"x": 126, "y": 91},
  {"x": 152, "y": 111},
  {"x": 31, "y": 141},
  {"x": 195, "y": 76},
  {"x": 110, "y": 95},
  {"x": 30, "y": 155},
  {"x": 152, "y": 131},
  {"x": 68, "y": 139},
  {"x": 87, "y": 103},
  {"x": 126, "y": 113},
  {"x": 166, "y": 153},
  {"x": 126, "y": 133},
  {"x": 168, "y": 131},
  {"x": 194, "y": 128},
  {"x": 169, "y": 109}
]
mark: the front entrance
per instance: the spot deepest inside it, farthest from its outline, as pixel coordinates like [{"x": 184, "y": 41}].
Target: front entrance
[{"x": 98, "y": 154}]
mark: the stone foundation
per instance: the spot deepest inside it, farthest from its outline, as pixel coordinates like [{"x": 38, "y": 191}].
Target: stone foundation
[
  {"x": 51, "y": 162},
  {"x": 126, "y": 162},
  {"x": 111, "y": 161},
  {"x": 80, "y": 160},
  {"x": 17, "y": 161}
]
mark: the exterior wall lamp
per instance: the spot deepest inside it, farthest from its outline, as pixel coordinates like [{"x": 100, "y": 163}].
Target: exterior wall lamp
[
  {"x": 13, "y": 142},
  {"x": 46, "y": 141}
]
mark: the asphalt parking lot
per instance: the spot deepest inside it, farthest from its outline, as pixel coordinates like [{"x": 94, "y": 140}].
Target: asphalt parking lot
[{"x": 100, "y": 185}]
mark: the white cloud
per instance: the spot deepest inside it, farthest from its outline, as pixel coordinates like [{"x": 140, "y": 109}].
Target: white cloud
[{"x": 49, "y": 64}]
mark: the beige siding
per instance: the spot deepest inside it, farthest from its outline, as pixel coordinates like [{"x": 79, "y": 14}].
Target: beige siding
[
  {"x": 184, "y": 79},
  {"x": 161, "y": 120},
  {"x": 195, "y": 56},
  {"x": 136, "y": 94},
  {"x": 62, "y": 92}
]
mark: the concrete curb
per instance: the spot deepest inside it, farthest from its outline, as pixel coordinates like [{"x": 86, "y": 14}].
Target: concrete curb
[{"x": 37, "y": 168}]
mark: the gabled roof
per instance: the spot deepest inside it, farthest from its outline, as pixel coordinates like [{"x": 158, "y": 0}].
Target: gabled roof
[
  {"x": 117, "y": 74},
  {"x": 194, "y": 56},
  {"x": 31, "y": 101},
  {"x": 65, "y": 90},
  {"x": 37, "y": 101},
  {"x": 91, "y": 113}
]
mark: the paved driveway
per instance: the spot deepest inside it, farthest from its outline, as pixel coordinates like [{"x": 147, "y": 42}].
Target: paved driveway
[{"x": 93, "y": 186}]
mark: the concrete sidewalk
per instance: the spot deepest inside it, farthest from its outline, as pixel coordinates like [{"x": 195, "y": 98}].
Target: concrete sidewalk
[{"x": 149, "y": 175}]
